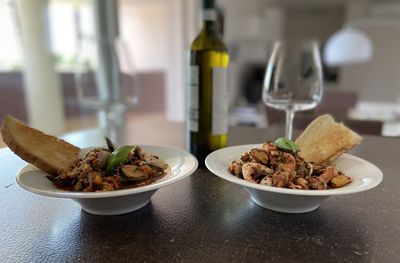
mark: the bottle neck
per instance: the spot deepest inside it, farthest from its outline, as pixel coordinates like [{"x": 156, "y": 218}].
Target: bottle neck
[{"x": 209, "y": 19}]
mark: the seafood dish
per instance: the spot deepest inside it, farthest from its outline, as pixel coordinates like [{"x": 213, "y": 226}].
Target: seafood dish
[
  {"x": 303, "y": 164},
  {"x": 107, "y": 170},
  {"x": 99, "y": 169},
  {"x": 279, "y": 164}
]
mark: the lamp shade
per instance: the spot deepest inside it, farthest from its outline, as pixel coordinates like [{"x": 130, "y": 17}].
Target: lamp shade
[{"x": 348, "y": 46}]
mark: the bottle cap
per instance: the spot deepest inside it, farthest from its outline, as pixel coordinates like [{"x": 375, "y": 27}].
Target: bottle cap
[{"x": 208, "y": 4}]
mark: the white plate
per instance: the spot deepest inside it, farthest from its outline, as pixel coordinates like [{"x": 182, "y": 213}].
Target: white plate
[
  {"x": 182, "y": 164},
  {"x": 364, "y": 174}
]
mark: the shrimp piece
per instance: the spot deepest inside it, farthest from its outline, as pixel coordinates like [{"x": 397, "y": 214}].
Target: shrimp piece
[
  {"x": 286, "y": 162},
  {"x": 267, "y": 180},
  {"x": 245, "y": 158},
  {"x": 253, "y": 171},
  {"x": 301, "y": 182},
  {"x": 236, "y": 169},
  {"x": 329, "y": 174},
  {"x": 280, "y": 178},
  {"x": 269, "y": 147},
  {"x": 294, "y": 186},
  {"x": 317, "y": 183}
]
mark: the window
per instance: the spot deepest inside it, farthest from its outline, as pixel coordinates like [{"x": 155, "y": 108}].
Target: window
[
  {"x": 68, "y": 22},
  {"x": 10, "y": 44}
]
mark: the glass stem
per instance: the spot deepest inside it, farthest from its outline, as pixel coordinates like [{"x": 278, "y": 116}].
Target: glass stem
[
  {"x": 114, "y": 125},
  {"x": 289, "y": 123}
]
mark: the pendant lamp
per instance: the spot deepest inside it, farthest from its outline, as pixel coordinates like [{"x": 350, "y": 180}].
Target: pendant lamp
[{"x": 348, "y": 46}]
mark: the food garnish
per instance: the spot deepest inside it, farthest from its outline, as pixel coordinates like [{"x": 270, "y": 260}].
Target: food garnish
[
  {"x": 286, "y": 144},
  {"x": 118, "y": 157}
]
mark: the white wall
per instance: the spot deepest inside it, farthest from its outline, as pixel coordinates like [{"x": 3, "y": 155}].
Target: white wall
[
  {"x": 252, "y": 25},
  {"x": 249, "y": 26},
  {"x": 145, "y": 27},
  {"x": 318, "y": 23},
  {"x": 378, "y": 79},
  {"x": 42, "y": 85},
  {"x": 154, "y": 30}
]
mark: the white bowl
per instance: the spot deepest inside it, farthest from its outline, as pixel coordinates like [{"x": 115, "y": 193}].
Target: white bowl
[
  {"x": 181, "y": 163},
  {"x": 364, "y": 174}
]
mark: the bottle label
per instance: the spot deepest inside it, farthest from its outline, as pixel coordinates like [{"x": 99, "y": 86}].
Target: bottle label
[
  {"x": 219, "y": 101},
  {"x": 194, "y": 99}
]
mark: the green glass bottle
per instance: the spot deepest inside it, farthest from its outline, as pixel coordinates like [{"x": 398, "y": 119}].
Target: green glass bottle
[{"x": 208, "y": 92}]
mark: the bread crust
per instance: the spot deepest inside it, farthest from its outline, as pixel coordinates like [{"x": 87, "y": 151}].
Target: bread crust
[
  {"x": 44, "y": 151},
  {"x": 324, "y": 140}
]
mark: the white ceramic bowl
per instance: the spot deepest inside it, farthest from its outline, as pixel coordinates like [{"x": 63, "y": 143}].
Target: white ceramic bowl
[
  {"x": 364, "y": 174},
  {"x": 181, "y": 163}
]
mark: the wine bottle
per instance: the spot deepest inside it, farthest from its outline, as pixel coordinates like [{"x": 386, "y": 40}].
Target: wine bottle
[{"x": 208, "y": 93}]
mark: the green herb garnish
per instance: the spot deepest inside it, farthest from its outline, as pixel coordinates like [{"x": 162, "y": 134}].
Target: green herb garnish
[
  {"x": 286, "y": 144},
  {"x": 119, "y": 156}
]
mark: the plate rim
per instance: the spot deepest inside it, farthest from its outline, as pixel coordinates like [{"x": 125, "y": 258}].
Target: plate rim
[
  {"x": 59, "y": 193},
  {"x": 266, "y": 188}
]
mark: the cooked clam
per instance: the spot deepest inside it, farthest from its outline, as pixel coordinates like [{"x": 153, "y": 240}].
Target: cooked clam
[
  {"x": 259, "y": 155},
  {"x": 133, "y": 173}
]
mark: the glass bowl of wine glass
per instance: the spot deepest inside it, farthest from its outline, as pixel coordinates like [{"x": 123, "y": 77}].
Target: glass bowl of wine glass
[{"x": 293, "y": 78}]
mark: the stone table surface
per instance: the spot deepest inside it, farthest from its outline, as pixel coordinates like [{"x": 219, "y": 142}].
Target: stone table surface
[{"x": 206, "y": 219}]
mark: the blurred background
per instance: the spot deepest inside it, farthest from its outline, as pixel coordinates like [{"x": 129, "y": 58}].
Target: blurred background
[{"x": 43, "y": 43}]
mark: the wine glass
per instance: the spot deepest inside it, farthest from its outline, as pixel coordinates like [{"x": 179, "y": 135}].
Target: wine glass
[
  {"x": 293, "y": 79},
  {"x": 105, "y": 82}
]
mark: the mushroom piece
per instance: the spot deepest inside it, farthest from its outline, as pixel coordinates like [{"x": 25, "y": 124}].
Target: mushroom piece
[
  {"x": 259, "y": 155},
  {"x": 154, "y": 161},
  {"x": 133, "y": 173}
]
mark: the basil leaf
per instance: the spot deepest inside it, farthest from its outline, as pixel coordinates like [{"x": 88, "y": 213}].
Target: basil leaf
[
  {"x": 119, "y": 156},
  {"x": 286, "y": 144}
]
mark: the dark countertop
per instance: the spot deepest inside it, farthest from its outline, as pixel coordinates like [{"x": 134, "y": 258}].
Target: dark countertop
[{"x": 206, "y": 219}]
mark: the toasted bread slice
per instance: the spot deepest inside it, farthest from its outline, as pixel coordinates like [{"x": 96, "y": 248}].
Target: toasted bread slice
[
  {"x": 46, "y": 152},
  {"x": 324, "y": 140}
]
